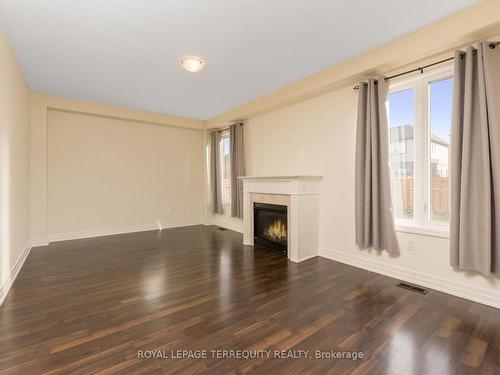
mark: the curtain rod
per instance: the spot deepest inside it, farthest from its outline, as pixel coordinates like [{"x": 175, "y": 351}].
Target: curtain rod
[
  {"x": 222, "y": 130},
  {"x": 421, "y": 68},
  {"x": 227, "y": 127}
]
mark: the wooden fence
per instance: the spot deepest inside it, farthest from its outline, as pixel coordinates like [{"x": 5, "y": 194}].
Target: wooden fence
[{"x": 403, "y": 191}]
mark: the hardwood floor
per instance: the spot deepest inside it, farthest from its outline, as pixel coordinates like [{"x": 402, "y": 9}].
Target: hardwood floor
[{"x": 88, "y": 306}]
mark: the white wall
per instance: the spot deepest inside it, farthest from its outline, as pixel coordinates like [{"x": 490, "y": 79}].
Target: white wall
[
  {"x": 109, "y": 175},
  {"x": 14, "y": 166},
  {"x": 317, "y": 137},
  {"x": 225, "y": 220}
]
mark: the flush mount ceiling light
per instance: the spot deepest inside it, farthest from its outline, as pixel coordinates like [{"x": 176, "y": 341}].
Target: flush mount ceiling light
[{"x": 193, "y": 63}]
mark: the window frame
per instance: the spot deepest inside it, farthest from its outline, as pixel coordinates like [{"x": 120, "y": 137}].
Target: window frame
[{"x": 421, "y": 223}]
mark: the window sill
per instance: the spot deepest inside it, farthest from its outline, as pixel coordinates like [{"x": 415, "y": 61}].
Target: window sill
[{"x": 423, "y": 231}]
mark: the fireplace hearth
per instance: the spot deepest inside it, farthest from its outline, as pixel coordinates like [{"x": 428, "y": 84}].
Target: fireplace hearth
[{"x": 270, "y": 227}]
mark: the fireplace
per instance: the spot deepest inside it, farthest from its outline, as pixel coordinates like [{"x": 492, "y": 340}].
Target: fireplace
[
  {"x": 297, "y": 198},
  {"x": 270, "y": 227}
]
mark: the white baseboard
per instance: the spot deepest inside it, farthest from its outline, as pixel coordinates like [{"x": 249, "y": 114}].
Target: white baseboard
[
  {"x": 5, "y": 288},
  {"x": 229, "y": 225},
  {"x": 39, "y": 242},
  {"x": 456, "y": 288},
  {"x": 307, "y": 258},
  {"x": 55, "y": 237}
]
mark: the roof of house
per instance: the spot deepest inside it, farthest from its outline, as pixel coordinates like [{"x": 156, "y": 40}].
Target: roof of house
[{"x": 406, "y": 131}]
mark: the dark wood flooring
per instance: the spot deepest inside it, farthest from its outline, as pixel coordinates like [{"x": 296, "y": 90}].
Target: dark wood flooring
[{"x": 88, "y": 306}]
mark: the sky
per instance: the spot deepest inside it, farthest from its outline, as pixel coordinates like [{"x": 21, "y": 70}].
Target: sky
[{"x": 401, "y": 108}]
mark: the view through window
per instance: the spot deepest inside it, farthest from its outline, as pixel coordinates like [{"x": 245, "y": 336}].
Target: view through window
[
  {"x": 402, "y": 155},
  {"x": 440, "y": 93},
  {"x": 419, "y": 147},
  {"x": 225, "y": 168}
]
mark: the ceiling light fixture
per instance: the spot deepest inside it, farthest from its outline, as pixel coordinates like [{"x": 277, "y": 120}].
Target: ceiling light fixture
[{"x": 193, "y": 63}]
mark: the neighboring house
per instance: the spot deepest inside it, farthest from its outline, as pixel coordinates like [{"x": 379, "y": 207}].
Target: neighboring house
[
  {"x": 439, "y": 156},
  {"x": 401, "y": 151},
  {"x": 402, "y": 154}
]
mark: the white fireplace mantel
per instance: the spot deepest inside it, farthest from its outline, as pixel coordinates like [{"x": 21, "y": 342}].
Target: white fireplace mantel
[{"x": 301, "y": 195}]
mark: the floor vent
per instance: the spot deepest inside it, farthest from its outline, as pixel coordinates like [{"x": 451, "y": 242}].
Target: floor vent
[
  {"x": 220, "y": 228},
  {"x": 413, "y": 288}
]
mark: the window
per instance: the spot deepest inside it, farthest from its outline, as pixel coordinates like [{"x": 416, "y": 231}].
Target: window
[
  {"x": 419, "y": 146},
  {"x": 225, "y": 168},
  {"x": 401, "y": 132},
  {"x": 440, "y": 94}
]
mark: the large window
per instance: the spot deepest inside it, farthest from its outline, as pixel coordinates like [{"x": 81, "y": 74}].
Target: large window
[
  {"x": 225, "y": 168},
  {"x": 402, "y": 155},
  {"x": 419, "y": 147}
]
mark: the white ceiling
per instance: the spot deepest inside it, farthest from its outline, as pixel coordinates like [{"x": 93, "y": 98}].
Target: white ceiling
[{"x": 126, "y": 52}]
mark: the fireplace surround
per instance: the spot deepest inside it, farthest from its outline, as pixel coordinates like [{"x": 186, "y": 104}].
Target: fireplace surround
[{"x": 300, "y": 196}]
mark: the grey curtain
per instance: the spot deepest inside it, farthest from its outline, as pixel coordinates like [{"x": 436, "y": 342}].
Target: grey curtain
[
  {"x": 215, "y": 180},
  {"x": 475, "y": 161},
  {"x": 374, "y": 221},
  {"x": 237, "y": 157}
]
